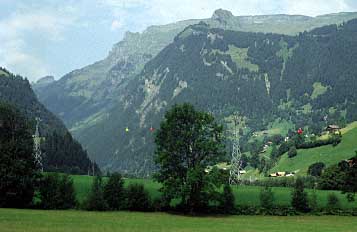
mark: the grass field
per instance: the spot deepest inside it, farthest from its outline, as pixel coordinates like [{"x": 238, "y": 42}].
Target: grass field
[
  {"x": 15, "y": 220},
  {"x": 326, "y": 154},
  {"x": 245, "y": 195}
]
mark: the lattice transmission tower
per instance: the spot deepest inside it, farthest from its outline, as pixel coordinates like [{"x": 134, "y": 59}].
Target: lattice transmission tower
[
  {"x": 236, "y": 160},
  {"x": 37, "y": 146}
]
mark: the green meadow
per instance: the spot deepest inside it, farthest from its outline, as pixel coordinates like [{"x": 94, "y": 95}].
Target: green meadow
[
  {"x": 19, "y": 220},
  {"x": 245, "y": 195}
]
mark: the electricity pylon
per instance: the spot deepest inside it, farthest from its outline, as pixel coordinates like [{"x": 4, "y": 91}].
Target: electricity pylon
[
  {"x": 236, "y": 161},
  {"x": 37, "y": 146}
]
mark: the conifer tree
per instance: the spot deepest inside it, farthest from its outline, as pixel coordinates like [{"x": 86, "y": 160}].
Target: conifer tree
[{"x": 95, "y": 201}]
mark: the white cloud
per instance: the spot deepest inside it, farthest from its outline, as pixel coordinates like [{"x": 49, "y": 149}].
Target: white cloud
[
  {"x": 116, "y": 24},
  {"x": 166, "y": 11},
  {"x": 316, "y": 7},
  {"x": 14, "y": 32}
]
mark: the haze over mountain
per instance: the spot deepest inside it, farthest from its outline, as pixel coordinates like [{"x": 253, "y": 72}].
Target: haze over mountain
[{"x": 222, "y": 64}]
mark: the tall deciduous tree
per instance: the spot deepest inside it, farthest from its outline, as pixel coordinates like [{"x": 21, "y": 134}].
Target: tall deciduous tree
[
  {"x": 17, "y": 166},
  {"x": 187, "y": 142}
]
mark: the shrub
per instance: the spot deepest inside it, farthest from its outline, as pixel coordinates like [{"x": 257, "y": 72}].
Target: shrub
[
  {"x": 137, "y": 198},
  {"x": 316, "y": 169},
  {"x": 313, "y": 202},
  {"x": 95, "y": 200},
  {"x": 227, "y": 203},
  {"x": 266, "y": 198},
  {"x": 333, "y": 203},
  {"x": 57, "y": 192},
  {"x": 114, "y": 193},
  {"x": 299, "y": 197},
  {"x": 292, "y": 152},
  {"x": 334, "y": 140}
]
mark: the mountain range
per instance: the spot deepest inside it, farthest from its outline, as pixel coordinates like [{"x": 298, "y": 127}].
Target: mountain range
[{"x": 271, "y": 69}]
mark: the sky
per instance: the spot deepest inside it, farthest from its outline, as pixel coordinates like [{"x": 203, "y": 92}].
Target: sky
[{"x": 54, "y": 37}]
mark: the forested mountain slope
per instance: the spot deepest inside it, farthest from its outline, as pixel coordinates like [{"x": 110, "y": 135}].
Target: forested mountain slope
[
  {"x": 61, "y": 151},
  {"x": 301, "y": 79},
  {"x": 84, "y": 96}
]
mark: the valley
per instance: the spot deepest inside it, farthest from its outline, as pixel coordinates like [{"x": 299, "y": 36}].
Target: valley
[{"x": 223, "y": 123}]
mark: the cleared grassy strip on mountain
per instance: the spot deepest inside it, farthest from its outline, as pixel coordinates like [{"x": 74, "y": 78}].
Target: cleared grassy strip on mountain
[
  {"x": 16, "y": 220},
  {"x": 326, "y": 154},
  {"x": 245, "y": 195}
]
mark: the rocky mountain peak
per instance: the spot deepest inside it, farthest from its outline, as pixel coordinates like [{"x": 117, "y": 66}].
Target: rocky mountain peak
[
  {"x": 222, "y": 15},
  {"x": 45, "y": 80}
]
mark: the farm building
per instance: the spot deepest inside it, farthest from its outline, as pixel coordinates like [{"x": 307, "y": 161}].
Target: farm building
[
  {"x": 352, "y": 162},
  {"x": 333, "y": 128},
  {"x": 281, "y": 174}
]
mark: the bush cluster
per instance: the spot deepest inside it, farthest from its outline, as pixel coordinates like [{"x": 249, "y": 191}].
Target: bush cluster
[{"x": 56, "y": 192}]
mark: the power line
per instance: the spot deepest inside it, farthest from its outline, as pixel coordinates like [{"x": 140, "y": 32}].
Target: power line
[
  {"x": 236, "y": 161},
  {"x": 37, "y": 146}
]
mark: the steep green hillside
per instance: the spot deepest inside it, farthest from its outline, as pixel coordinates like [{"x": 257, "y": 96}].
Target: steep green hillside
[
  {"x": 326, "y": 154},
  {"x": 60, "y": 151}
]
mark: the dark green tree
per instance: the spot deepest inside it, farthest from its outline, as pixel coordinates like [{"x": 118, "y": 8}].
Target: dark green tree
[
  {"x": 95, "y": 201},
  {"x": 299, "y": 198},
  {"x": 316, "y": 169},
  {"x": 313, "y": 201},
  {"x": 138, "y": 198},
  {"x": 334, "y": 177},
  {"x": 17, "y": 166},
  {"x": 255, "y": 159},
  {"x": 68, "y": 193},
  {"x": 266, "y": 198},
  {"x": 57, "y": 192},
  {"x": 333, "y": 203},
  {"x": 187, "y": 142},
  {"x": 292, "y": 152},
  {"x": 349, "y": 180},
  {"x": 114, "y": 192},
  {"x": 274, "y": 153},
  {"x": 227, "y": 203}
]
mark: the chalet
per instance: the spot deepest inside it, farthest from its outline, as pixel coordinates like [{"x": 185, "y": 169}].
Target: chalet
[
  {"x": 333, "y": 129},
  {"x": 352, "y": 162},
  {"x": 272, "y": 175},
  {"x": 281, "y": 174}
]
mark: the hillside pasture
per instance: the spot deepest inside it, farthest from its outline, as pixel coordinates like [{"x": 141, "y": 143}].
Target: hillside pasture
[{"x": 327, "y": 154}]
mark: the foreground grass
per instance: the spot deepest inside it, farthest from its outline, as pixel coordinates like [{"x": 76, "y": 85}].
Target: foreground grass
[
  {"x": 15, "y": 220},
  {"x": 244, "y": 195}
]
